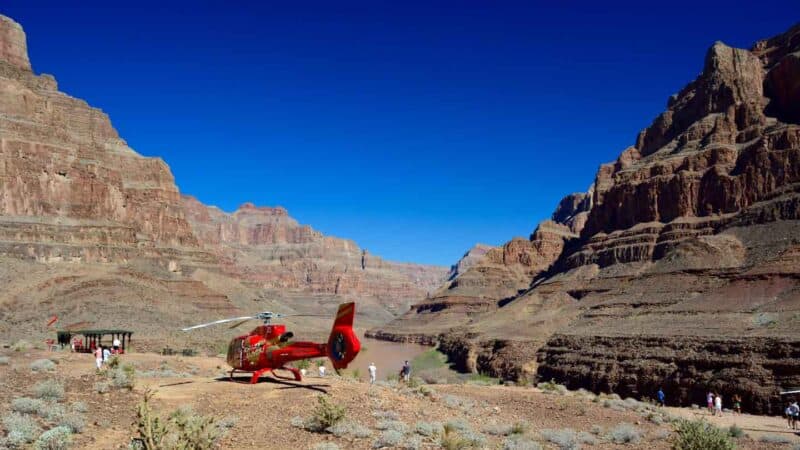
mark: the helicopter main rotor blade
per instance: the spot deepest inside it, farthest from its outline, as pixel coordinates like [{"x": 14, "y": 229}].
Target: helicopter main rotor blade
[
  {"x": 239, "y": 323},
  {"x": 217, "y": 322}
]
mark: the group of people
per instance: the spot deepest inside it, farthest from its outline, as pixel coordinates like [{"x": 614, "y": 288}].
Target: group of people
[
  {"x": 714, "y": 403},
  {"x": 103, "y": 353}
]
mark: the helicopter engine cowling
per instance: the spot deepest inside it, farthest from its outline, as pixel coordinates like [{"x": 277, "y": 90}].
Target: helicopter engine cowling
[{"x": 343, "y": 344}]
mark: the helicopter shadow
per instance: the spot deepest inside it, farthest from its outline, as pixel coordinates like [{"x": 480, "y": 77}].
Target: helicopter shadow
[{"x": 267, "y": 379}]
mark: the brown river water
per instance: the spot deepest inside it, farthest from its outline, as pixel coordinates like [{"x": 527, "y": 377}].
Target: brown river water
[{"x": 387, "y": 356}]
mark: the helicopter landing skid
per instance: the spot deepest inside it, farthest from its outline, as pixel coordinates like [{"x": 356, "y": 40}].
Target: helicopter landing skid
[{"x": 295, "y": 372}]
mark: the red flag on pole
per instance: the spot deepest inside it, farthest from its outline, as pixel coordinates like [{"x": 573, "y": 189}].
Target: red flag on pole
[{"x": 52, "y": 320}]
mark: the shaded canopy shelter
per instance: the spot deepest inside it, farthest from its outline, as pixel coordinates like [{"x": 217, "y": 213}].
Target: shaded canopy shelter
[{"x": 94, "y": 338}]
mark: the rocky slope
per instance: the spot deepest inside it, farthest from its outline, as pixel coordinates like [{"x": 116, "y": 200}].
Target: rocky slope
[
  {"x": 267, "y": 247},
  {"x": 684, "y": 268},
  {"x": 93, "y": 232}
]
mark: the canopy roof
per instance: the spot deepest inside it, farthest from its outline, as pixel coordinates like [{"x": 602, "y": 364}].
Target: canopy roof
[{"x": 100, "y": 331}]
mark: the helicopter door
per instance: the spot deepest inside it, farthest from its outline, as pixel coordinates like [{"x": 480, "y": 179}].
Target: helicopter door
[{"x": 236, "y": 353}]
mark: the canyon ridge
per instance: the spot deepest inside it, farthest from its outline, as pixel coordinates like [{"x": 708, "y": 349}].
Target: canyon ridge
[
  {"x": 100, "y": 236},
  {"x": 679, "y": 268}
]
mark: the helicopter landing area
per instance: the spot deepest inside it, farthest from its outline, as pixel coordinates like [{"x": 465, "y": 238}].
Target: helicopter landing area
[{"x": 260, "y": 415}]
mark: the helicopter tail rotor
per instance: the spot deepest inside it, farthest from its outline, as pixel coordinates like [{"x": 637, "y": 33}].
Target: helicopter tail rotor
[{"x": 343, "y": 344}]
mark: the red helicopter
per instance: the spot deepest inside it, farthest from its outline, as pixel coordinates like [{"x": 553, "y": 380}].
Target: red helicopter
[{"x": 267, "y": 347}]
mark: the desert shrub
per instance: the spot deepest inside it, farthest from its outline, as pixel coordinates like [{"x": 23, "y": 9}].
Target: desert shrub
[
  {"x": 388, "y": 415},
  {"x": 496, "y": 429},
  {"x": 429, "y": 429},
  {"x": 4, "y": 360},
  {"x": 43, "y": 365},
  {"x": 586, "y": 438},
  {"x": 454, "y": 401},
  {"x": 21, "y": 429},
  {"x": 183, "y": 430},
  {"x": 552, "y": 387},
  {"x": 452, "y": 440},
  {"x": 49, "y": 390},
  {"x": 122, "y": 377},
  {"x": 57, "y": 438},
  {"x": 21, "y": 346},
  {"x": 480, "y": 379},
  {"x": 735, "y": 432},
  {"x": 102, "y": 387},
  {"x": 624, "y": 433},
  {"x": 700, "y": 435},
  {"x": 395, "y": 425},
  {"x": 72, "y": 420},
  {"x": 327, "y": 413},
  {"x": 411, "y": 443},
  {"x": 297, "y": 422},
  {"x": 656, "y": 418},
  {"x": 475, "y": 440},
  {"x": 54, "y": 412},
  {"x": 79, "y": 407},
  {"x": 459, "y": 425},
  {"x": 775, "y": 439},
  {"x": 349, "y": 429},
  {"x": 27, "y": 405},
  {"x": 565, "y": 439},
  {"x": 519, "y": 427},
  {"x": 516, "y": 442},
  {"x": 388, "y": 438},
  {"x": 596, "y": 430}
]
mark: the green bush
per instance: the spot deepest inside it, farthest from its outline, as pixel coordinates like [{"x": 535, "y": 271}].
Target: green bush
[
  {"x": 429, "y": 429},
  {"x": 57, "y": 438},
  {"x": 516, "y": 442},
  {"x": 183, "y": 430},
  {"x": 122, "y": 377},
  {"x": 700, "y": 435},
  {"x": 624, "y": 433},
  {"x": 735, "y": 432},
  {"x": 327, "y": 413},
  {"x": 49, "y": 390},
  {"x": 72, "y": 420},
  {"x": 388, "y": 438}
]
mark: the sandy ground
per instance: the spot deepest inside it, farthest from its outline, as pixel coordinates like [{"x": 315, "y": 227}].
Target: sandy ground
[{"x": 261, "y": 415}]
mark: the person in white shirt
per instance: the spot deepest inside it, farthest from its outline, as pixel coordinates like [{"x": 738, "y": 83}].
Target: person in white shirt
[
  {"x": 718, "y": 404},
  {"x": 321, "y": 371},
  {"x": 106, "y": 355},
  {"x": 98, "y": 357},
  {"x": 115, "y": 345},
  {"x": 373, "y": 371},
  {"x": 303, "y": 372}
]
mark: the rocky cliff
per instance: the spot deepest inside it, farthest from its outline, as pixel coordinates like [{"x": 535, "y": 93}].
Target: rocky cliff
[
  {"x": 96, "y": 233},
  {"x": 683, "y": 266},
  {"x": 267, "y": 247}
]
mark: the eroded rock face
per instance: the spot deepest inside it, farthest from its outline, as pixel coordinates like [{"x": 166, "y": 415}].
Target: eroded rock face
[
  {"x": 683, "y": 271},
  {"x": 266, "y": 246}
]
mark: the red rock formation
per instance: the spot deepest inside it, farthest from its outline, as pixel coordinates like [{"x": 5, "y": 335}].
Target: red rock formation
[
  {"x": 685, "y": 271},
  {"x": 266, "y": 246}
]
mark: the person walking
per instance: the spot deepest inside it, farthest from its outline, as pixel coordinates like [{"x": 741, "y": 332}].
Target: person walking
[
  {"x": 106, "y": 355},
  {"x": 661, "y": 397},
  {"x": 373, "y": 372},
  {"x": 717, "y": 404},
  {"x": 737, "y": 404},
  {"x": 710, "y": 402},
  {"x": 321, "y": 371},
  {"x": 794, "y": 409},
  {"x": 406, "y": 371},
  {"x": 98, "y": 357}
]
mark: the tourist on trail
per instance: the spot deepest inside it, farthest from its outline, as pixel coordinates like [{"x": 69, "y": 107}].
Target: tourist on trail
[
  {"x": 717, "y": 404},
  {"x": 737, "y": 404},
  {"x": 661, "y": 397},
  {"x": 106, "y": 355},
  {"x": 789, "y": 417},
  {"x": 406, "y": 371},
  {"x": 115, "y": 346},
  {"x": 373, "y": 372},
  {"x": 710, "y": 402},
  {"x": 303, "y": 372},
  {"x": 321, "y": 371},
  {"x": 98, "y": 357},
  {"x": 795, "y": 412}
]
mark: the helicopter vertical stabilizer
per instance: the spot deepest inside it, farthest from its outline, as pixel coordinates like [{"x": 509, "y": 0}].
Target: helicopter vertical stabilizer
[{"x": 343, "y": 344}]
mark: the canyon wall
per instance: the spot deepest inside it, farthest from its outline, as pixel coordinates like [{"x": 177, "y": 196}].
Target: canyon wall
[
  {"x": 682, "y": 268},
  {"x": 95, "y": 233}
]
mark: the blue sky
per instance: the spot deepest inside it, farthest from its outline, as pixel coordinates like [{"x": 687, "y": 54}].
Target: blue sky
[{"x": 415, "y": 128}]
